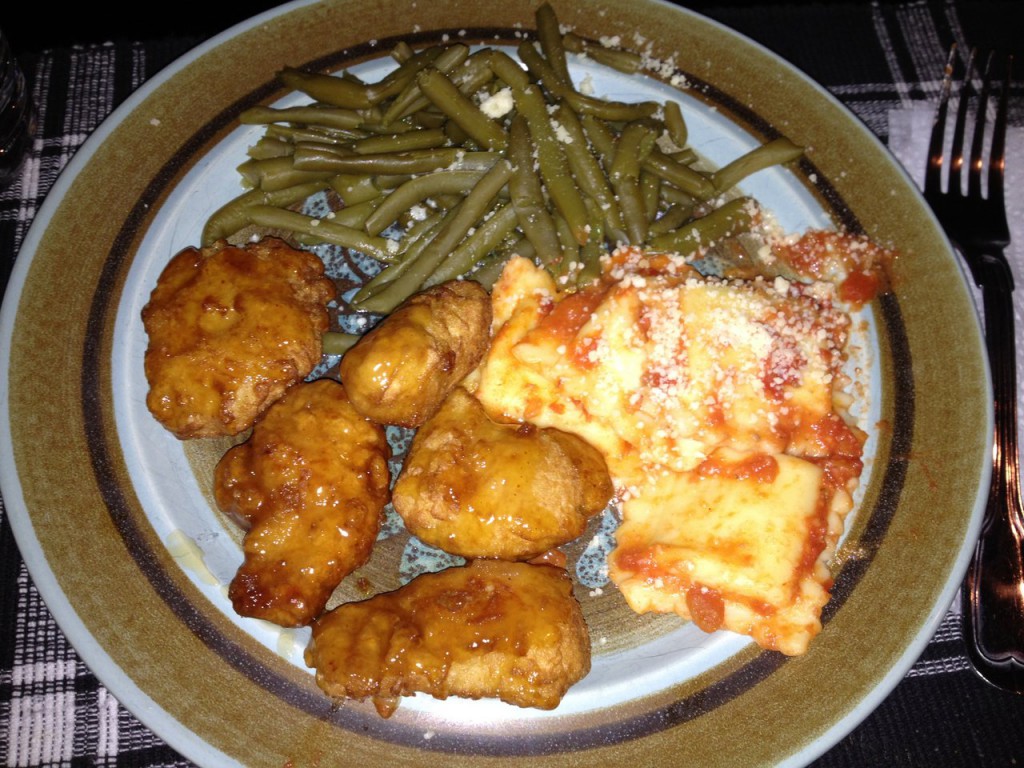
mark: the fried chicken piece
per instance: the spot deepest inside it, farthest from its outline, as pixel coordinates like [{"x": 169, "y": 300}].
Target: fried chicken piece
[
  {"x": 478, "y": 488},
  {"x": 230, "y": 329},
  {"x": 403, "y": 368},
  {"x": 310, "y": 485},
  {"x": 490, "y": 629}
]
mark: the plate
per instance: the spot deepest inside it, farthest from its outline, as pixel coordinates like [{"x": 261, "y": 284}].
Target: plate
[{"x": 115, "y": 519}]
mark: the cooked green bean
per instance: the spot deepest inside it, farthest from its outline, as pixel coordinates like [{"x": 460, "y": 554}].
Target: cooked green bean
[
  {"x": 527, "y": 193},
  {"x": 449, "y": 99},
  {"x": 416, "y": 239},
  {"x": 354, "y": 188},
  {"x": 587, "y": 170},
  {"x": 622, "y": 61},
  {"x": 415, "y": 191},
  {"x": 776, "y": 152},
  {"x": 276, "y": 173},
  {"x": 728, "y": 220},
  {"x": 585, "y": 105},
  {"x": 397, "y": 80},
  {"x": 402, "y": 51},
  {"x": 338, "y": 343},
  {"x": 423, "y": 138},
  {"x": 319, "y": 135},
  {"x": 450, "y": 57},
  {"x": 337, "y": 91},
  {"x": 483, "y": 239},
  {"x": 554, "y": 168},
  {"x": 232, "y": 216},
  {"x": 270, "y": 146},
  {"x": 355, "y": 215},
  {"x": 675, "y": 125},
  {"x": 474, "y": 156},
  {"x": 507, "y": 69},
  {"x": 325, "y": 230},
  {"x": 330, "y": 117},
  {"x": 414, "y": 161},
  {"x": 550, "y": 38},
  {"x": 672, "y": 218},
  {"x": 466, "y": 215},
  {"x": 633, "y": 146}
]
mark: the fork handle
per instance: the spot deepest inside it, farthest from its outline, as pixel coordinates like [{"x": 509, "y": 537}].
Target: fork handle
[{"x": 993, "y": 591}]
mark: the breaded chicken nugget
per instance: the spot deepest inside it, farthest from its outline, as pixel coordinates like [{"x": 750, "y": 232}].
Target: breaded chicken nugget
[
  {"x": 476, "y": 488},
  {"x": 404, "y": 367},
  {"x": 490, "y": 629},
  {"x": 309, "y": 485},
  {"x": 230, "y": 329}
]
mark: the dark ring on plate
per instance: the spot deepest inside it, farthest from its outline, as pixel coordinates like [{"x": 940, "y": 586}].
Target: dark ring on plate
[{"x": 526, "y": 738}]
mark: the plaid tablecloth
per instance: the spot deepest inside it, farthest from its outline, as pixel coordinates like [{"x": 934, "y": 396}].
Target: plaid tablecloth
[{"x": 877, "y": 58}]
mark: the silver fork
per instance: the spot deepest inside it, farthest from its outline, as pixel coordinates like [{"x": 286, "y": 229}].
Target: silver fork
[{"x": 993, "y": 592}]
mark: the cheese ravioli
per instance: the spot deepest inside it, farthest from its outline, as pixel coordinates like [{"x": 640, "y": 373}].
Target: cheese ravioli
[{"x": 717, "y": 406}]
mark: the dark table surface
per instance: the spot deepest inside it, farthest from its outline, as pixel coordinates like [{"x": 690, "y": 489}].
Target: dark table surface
[{"x": 870, "y": 56}]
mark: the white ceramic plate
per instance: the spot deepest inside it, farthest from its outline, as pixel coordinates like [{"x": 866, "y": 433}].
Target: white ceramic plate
[{"x": 114, "y": 515}]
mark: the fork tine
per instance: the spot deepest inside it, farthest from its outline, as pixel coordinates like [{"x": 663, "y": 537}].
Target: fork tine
[
  {"x": 978, "y": 142},
  {"x": 933, "y": 172},
  {"x": 957, "y": 149},
  {"x": 997, "y": 162}
]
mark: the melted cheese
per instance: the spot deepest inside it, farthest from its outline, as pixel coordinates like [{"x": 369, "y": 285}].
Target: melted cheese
[{"x": 713, "y": 402}]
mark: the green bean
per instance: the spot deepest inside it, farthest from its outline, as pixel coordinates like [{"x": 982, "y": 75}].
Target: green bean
[
  {"x": 622, "y": 61},
  {"x": 683, "y": 176},
  {"x": 592, "y": 251},
  {"x": 675, "y": 125},
  {"x": 466, "y": 215},
  {"x": 775, "y": 152},
  {"x": 415, "y": 191},
  {"x": 484, "y": 239},
  {"x": 329, "y": 117},
  {"x": 416, "y": 239},
  {"x": 354, "y": 188},
  {"x": 730, "y": 219},
  {"x": 414, "y": 161},
  {"x": 276, "y": 173},
  {"x": 570, "y": 259},
  {"x": 298, "y": 134},
  {"x": 550, "y": 37},
  {"x": 557, "y": 175},
  {"x": 323, "y": 229},
  {"x": 411, "y": 98},
  {"x": 650, "y": 191},
  {"x": 338, "y": 343},
  {"x": 269, "y": 146},
  {"x": 506, "y": 68},
  {"x": 672, "y": 218},
  {"x": 336, "y": 91},
  {"x": 527, "y": 194},
  {"x": 450, "y": 100},
  {"x": 587, "y": 170},
  {"x": 401, "y": 52},
  {"x": 490, "y": 268},
  {"x": 355, "y": 215},
  {"x": 632, "y": 147},
  {"x": 232, "y": 216},
  {"x": 423, "y": 138},
  {"x": 554, "y": 168},
  {"x": 585, "y": 105},
  {"x": 396, "y": 81}
]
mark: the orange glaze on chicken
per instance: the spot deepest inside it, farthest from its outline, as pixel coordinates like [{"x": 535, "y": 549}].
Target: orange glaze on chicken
[
  {"x": 230, "y": 329},
  {"x": 490, "y": 629},
  {"x": 309, "y": 486},
  {"x": 476, "y": 488}
]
